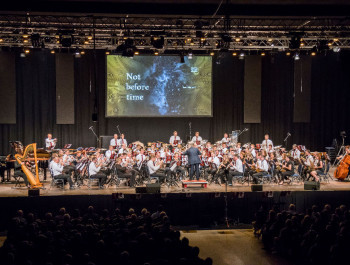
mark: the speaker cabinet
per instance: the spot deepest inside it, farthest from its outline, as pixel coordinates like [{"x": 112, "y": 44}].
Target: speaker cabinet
[
  {"x": 141, "y": 190},
  {"x": 257, "y": 187},
  {"x": 153, "y": 188},
  {"x": 33, "y": 192},
  {"x": 104, "y": 141},
  {"x": 311, "y": 185}
]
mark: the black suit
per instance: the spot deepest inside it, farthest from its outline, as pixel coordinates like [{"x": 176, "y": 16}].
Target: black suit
[{"x": 193, "y": 160}]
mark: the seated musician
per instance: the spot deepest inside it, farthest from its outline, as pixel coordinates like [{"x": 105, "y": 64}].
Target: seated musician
[
  {"x": 273, "y": 164},
  {"x": 197, "y": 139},
  {"x": 68, "y": 162},
  {"x": 140, "y": 159},
  {"x": 214, "y": 163},
  {"x": 154, "y": 167},
  {"x": 49, "y": 142},
  {"x": 57, "y": 171},
  {"x": 318, "y": 167},
  {"x": 239, "y": 148},
  {"x": 176, "y": 168},
  {"x": 123, "y": 149},
  {"x": 114, "y": 141},
  {"x": 174, "y": 139},
  {"x": 262, "y": 169},
  {"x": 122, "y": 140},
  {"x": 226, "y": 139},
  {"x": 95, "y": 171},
  {"x": 224, "y": 149},
  {"x": 287, "y": 170},
  {"x": 308, "y": 163},
  {"x": 19, "y": 172},
  {"x": 235, "y": 169},
  {"x": 295, "y": 153},
  {"x": 222, "y": 171},
  {"x": 270, "y": 149},
  {"x": 124, "y": 172},
  {"x": 110, "y": 153},
  {"x": 347, "y": 152},
  {"x": 252, "y": 150}
]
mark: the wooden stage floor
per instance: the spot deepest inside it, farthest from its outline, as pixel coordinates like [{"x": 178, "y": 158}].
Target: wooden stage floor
[{"x": 7, "y": 189}]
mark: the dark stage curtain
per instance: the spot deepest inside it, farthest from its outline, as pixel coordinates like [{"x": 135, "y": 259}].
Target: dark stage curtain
[{"x": 330, "y": 93}]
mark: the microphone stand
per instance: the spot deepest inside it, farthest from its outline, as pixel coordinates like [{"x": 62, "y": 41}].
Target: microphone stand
[
  {"x": 285, "y": 140},
  {"x": 240, "y": 132},
  {"x": 97, "y": 139},
  {"x": 189, "y": 124}
]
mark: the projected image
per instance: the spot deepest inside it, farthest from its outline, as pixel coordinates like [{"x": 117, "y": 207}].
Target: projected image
[{"x": 151, "y": 86}]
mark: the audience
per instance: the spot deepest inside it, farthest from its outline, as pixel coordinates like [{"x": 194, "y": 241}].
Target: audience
[
  {"x": 315, "y": 237},
  {"x": 93, "y": 239}
]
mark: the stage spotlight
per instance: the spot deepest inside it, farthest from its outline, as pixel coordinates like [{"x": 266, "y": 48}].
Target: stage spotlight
[
  {"x": 241, "y": 55},
  {"x": 107, "y": 52},
  {"x": 156, "y": 53},
  {"x": 22, "y": 55},
  {"x": 25, "y": 35},
  {"x": 296, "y": 56},
  {"x": 82, "y": 52},
  {"x": 90, "y": 37},
  {"x": 336, "y": 49},
  {"x": 313, "y": 53},
  {"x": 212, "y": 53},
  {"x": 1, "y": 39},
  {"x": 263, "y": 54},
  {"x": 288, "y": 53},
  {"x": 25, "y": 40},
  {"x": 86, "y": 42},
  {"x": 136, "y": 53},
  {"x": 237, "y": 39},
  {"x": 52, "y": 51},
  {"x": 234, "y": 54},
  {"x": 27, "y": 51},
  {"x": 335, "y": 40}
]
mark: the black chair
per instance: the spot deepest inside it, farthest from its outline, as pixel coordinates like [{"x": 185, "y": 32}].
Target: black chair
[{"x": 56, "y": 182}]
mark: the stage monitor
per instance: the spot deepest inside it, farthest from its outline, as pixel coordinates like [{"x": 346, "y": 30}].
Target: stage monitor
[{"x": 159, "y": 86}]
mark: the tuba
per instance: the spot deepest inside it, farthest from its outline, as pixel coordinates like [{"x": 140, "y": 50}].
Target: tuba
[{"x": 21, "y": 159}]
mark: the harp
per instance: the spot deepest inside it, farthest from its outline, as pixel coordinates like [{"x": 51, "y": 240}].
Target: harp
[{"x": 30, "y": 154}]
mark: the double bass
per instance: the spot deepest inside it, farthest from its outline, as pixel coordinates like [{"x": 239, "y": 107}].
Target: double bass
[{"x": 342, "y": 170}]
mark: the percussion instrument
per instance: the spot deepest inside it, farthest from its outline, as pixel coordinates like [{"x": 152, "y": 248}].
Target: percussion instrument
[{"x": 342, "y": 170}]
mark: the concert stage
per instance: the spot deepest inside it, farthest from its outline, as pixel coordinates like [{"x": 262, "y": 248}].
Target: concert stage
[{"x": 193, "y": 206}]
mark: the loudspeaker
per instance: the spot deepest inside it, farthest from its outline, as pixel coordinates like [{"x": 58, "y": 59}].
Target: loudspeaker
[
  {"x": 33, "y": 192},
  {"x": 104, "y": 141},
  {"x": 311, "y": 185},
  {"x": 257, "y": 187},
  {"x": 141, "y": 190},
  {"x": 153, "y": 188},
  {"x": 94, "y": 117}
]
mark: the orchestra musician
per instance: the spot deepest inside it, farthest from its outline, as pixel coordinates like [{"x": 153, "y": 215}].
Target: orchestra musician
[
  {"x": 214, "y": 163},
  {"x": 252, "y": 150},
  {"x": 122, "y": 140},
  {"x": 154, "y": 167},
  {"x": 347, "y": 152},
  {"x": 266, "y": 143},
  {"x": 295, "y": 153},
  {"x": 226, "y": 139},
  {"x": 67, "y": 160},
  {"x": 95, "y": 171},
  {"x": 57, "y": 171},
  {"x": 110, "y": 153},
  {"x": 193, "y": 160},
  {"x": 287, "y": 170},
  {"x": 114, "y": 141},
  {"x": 49, "y": 142},
  {"x": 308, "y": 163},
  {"x": 196, "y": 138},
  {"x": 262, "y": 169},
  {"x": 318, "y": 167},
  {"x": 223, "y": 169},
  {"x": 235, "y": 169},
  {"x": 140, "y": 159},
  {"x": 175, "y": 167},
  {"x": 19, "y": 172},
  {"x": 174, "y": 139},
  {"x": 124, "y": 172},
  {"x": 123, "y": 149}
]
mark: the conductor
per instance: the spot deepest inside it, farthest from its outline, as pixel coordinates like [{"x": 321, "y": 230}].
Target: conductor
[{"x": 193, "y": 160}]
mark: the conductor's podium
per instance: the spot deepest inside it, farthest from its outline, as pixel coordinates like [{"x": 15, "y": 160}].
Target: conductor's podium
[{"x": 194, "y": 183}]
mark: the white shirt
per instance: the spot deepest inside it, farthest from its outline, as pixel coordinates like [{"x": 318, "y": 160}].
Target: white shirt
[
  {"x": 266, "y": 143},
  {"x": 263, "y": 165},
  {"x": 93, "y": 170},
  {"x": 121, "y": 151},
  {"x": 114, "y": 142},
  {"x": 139, "y": 160},
  {"x": 225, "y": 140},
  {"x": 252, "y": 151},
  {"x": 50, "y": 165},
  {"x": 56, "y": 169},
  {"x": 122, "y": 141},
  {"x": 50, "y": 143},
  {"x": 196, "y": 138},
  {"x": 109, "y": 153},
  {"x": 309, "y": 161},
  {"x": 151, "y": 167},
  {"x": 238, "y": 166},
  {"x": 173, "y": 138},
  {"x": 295, "y": 153},
  {"x": 216, "y": 161}
]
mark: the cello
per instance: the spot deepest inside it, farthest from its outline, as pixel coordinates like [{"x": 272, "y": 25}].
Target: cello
[{"x": 342, "y": 170}]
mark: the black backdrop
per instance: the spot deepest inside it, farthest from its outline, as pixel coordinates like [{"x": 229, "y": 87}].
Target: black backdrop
[{"x": 330, "y": 81}]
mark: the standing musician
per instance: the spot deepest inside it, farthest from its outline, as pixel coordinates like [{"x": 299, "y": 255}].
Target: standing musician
[
  {"x": 49, "y": 142},
  {"x": 122, "y": 140},
  {"x": 95, "y": 171},
  {"x": 114, "y": 141},
  {"x": 287, "y": 170},
  {"x": 110, "y": 153},
  {"x": 174, "y": 139},
  {"x": 266, "y": 143},
  {"x": 226, "y": 139},
  {"x": 197, "y": 139},
  {"x": 262, "y": 169},
  {"x": 235, "y": 169},
  {"x": 57, "y": 171},
  {"x": 124, "y": 172},
  {"x": 154, "y": 167},
  {"x": 193, "y": 160}
]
